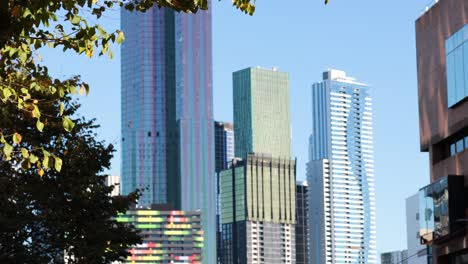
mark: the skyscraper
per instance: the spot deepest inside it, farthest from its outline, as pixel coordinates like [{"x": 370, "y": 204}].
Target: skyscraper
[
  {"x": 341, "y": 172},
  {"x": 224, "y": 145},
  {"x": 224, "y": 153},
  {"x": 258, "y": 212},
  {"x": 262, "y": 119},
  {"x": 443, "y": 128},
  {"x": 258, "y": 192},
  {"x": 167, "y": 113},
  {"x": 301, "y": 223}
]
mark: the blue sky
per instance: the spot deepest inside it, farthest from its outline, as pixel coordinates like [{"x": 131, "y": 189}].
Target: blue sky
[{"x": 372, "y": 41}]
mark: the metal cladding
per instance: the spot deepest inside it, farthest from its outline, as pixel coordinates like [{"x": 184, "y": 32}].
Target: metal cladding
[{"x": 168, "y": 236}]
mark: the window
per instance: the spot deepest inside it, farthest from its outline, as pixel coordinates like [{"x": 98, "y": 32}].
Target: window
[{"x": 456, "y": 51}]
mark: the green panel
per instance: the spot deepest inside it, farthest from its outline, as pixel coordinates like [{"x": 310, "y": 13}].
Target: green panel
[
  {"x": 242, "y": 112},
  {"x": 228, "y": 186},
  {"x": 262, "y": 112},
  {"x": 271, "y": 191}
]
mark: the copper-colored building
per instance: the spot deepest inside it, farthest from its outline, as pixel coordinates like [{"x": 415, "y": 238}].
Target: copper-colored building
[{"x": 442, "y": 57}]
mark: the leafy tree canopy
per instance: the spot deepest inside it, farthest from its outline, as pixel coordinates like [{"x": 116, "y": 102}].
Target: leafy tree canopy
[
  {"x": 45, "y": 214},
  {"x": 26, "y": 26}
]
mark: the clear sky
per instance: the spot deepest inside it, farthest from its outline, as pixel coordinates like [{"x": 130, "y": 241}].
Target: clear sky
[{"x": 372, "y": 41}]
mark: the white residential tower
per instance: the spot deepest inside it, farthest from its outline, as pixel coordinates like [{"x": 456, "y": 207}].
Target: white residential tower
[{"x": 340, "y": 173}]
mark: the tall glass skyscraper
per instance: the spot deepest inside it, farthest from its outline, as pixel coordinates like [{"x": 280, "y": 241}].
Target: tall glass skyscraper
[
  {"x": 167, "y": 113},
  {"x": 262, "y": 115},
  {"x": 341, "y": 173}
]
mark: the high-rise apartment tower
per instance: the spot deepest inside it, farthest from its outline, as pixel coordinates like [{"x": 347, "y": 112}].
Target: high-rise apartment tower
[{"x": 341, "y": 173}]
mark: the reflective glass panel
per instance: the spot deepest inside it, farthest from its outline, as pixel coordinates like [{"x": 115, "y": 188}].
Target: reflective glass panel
[
  {"x": 456, "y": 48},
  {"x": 460, "y": 146}
]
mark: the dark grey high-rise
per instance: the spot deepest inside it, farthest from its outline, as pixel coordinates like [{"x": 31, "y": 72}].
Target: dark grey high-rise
[{"x": 301, "y": 223}]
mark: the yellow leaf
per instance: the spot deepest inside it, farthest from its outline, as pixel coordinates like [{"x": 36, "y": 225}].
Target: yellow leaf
[
  {"x": 40, "y": 172},
  {"x": 17, "y": 138},
  {"x": 82, "y": 90},
  {"x": 89, "y": 53}
]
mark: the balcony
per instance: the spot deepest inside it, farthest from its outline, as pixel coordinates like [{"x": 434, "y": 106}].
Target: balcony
[{"x": 441, "y": 209}]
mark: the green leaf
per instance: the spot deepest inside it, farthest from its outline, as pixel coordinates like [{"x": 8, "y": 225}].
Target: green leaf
[
  {"x": 76, "y": 20},
  {"x": 68, "y": 124},
  {"x": 26, "y": 12},
  {"x": 7, "y": 149},
  {"x": 39, "y": 125},
  {"x": 111, "y": 55},
  {"x": 62, "y": 107},
  {"x": 25, "y": 164},
  {"x": 45, "y": 162},
  {"x": 2, "y": 139},
  {"x": 6, "y": 93},
  {"x": 58, "y": 163},
  {"x": 25, "y": 153},
  {"x": 33, "y": 158},
  {"x": 23, "y": 57},
  {"x": 12, "y": 52},
  {"x": 86, "y": 86},
  {"x": 35, "y": 112},
  {"x": 45, "y": 153},
  {"x": 120, "y": 37},
  {"x": 20, "y": 103},
  {"x": 17, "y": 138}
]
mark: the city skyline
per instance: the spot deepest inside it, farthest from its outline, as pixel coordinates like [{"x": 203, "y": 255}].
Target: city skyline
[{"x": 311, "y": 53}]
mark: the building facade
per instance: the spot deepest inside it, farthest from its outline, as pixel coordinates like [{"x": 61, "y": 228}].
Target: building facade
[
  {"x": 224, "y": 153},
  {"x": 169, "y": 236},
  {"x": 258, "y": 212},
  {"x": 262, "y": 119},
  {"x": 417, "y": 252},
  {"x": 167, "y": 113},
  {"x": 443, "y": 126},
  {"x": 224, "y": 144},
  {"x": 340, "y": 173},
  {"x": 301, "y": 223},
  {"x": 395, "y": 257}
]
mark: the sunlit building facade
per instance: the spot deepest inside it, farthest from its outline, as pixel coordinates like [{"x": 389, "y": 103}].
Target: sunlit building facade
[
  {"x": 442, "y": 60},
  {"x": 258, "y": 212},
  {"x": 341, "y": 173},
  {"x": 262, "y": 114},
  {"x": 167, "y": 113}
]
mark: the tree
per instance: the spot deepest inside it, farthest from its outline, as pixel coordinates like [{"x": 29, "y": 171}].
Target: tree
[
  {"x": 45, "y": 213},
  {"x": 26, "y": 26},
  {"x": 52, "y": 195}
]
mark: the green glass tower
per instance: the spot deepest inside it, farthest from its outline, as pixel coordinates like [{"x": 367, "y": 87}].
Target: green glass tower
[
  {"x": 258, "y": 191},
  {"x": 262, "y": 115}
]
